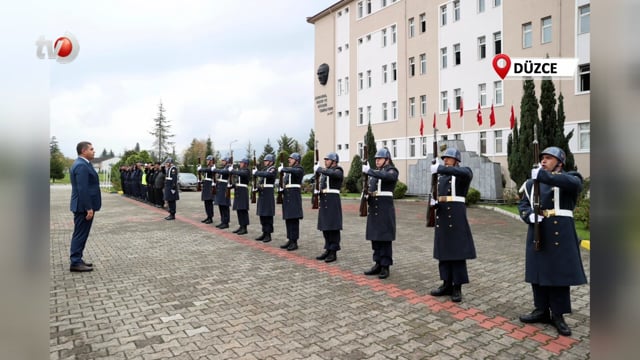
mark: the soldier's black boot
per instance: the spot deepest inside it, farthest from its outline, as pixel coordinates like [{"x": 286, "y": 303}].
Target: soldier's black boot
[
  {"x": 445, "y": 289},
  {"x": 456, "y": 293},
  {"x": 237, "y": 230},
  {"x": 384, "y": 272},
  {"x": 536, "y": 316},
  {"x": 208, "y": 221},
  {"x": 267, "y": 237},
  {"x": 204, "y": 220},
  {"x": 243, "y": 230},
  {"x": 293, "y": 246},
  {"x": 560, "y": 325},
  {"x": 323, "y": 255},
  {"x": 261, "y": 237},
  {"x": 331, "y": 257},
  {"x": 375, "y": 270},
  {"x": 286, "y": 245},
  {"x": 170, "y": 217}
]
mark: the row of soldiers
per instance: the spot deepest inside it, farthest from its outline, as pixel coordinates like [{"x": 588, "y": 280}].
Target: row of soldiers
[
  {"x": 144, "y": 182},
  {"x": 550, "y": 270}
]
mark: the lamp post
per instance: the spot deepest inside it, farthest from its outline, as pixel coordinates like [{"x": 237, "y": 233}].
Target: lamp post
[{"x": 230, "y": 144}]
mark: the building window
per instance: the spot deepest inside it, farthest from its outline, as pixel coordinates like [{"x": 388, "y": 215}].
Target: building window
[
  {"x": 360, "y": 8},
  {"x": 482, "y": 47},
  {"x": 384, "y": 112},
  {"x": 457, "y": 94},
  {"x": 384, "y": 74},
  {"x": 368, "y": 37},
  {"x": 456, "y": 10},
  {"x": 339, "y": 49},
  {"x": 412, "y": 107},
  {"x": 339, "y": 113},
  {"x": 359, "y": 41},
  {"x": 394, "y": 72},
  {"x": 457, "y": 136},
  {"x": 584, "y": 134},
  {"x": 497, "y": 43},
  {"x": 384, "y": 37},
  {"x": 584, "y": 77},
  {"x": 360, "y": 116},
  {"x": 368, "y": 78},
  {"x": 394, "y": 34},
  {"x": 545, "y": 25},
  {"x": 346, "y": 47},
  {"x": 360, "y": 149},
  {"x": 360, "y": 81},
  {"x": 384, "y": 143},
  {"x": 412, "y": 28},
  {"x": 369, "y": 113},
  {"x": 480, "y": 6},
  {"x": 423, "y": 105},
  {"x": 444, "y": 102},
  {"x": 394, "y": 148},
  {"x": 584, "y": 19},
  {"x": 457, "y": 54},
  {"x": 443, "y": 57},
  {"x": 384, "y": 3},
  {"x": 423, "y": 64},
  {"x": 346, "y": 85},
  {"x": 483, "y": 142},
  {"x": 527, "y": 40},
  {"x": 497, "y": 92},
  {"x": 346, "y": 146},
  {"x": 394, "y": 110},
  {"x": 497, "y": 3},
  {"x": 339, "y": 147},
  {"x": 346, "y": 113},
  {"x": 423, "y": 23},
  {"x": 482, "y": 94},
  {"x": 423, "y": 145},
  {"x": 412, "y": 66},
  {"x": 412, "y": 147},
  {"x": 498, "y": 138},
  {"x": 443, "y": 15},
  {"x": 368, "y": 7},
  {"x": 339, "y": 87}
]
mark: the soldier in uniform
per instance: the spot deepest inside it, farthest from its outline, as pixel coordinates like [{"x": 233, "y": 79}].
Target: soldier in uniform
[
  {"x": 330, "y": 205},
  {"x": 171, "y": 191},
  {"x": 266, "y": 208},
  {"x": 207, "y": 189},
  {"x": 158, "y": 184},
  {"x": 381, "y": 218},
  {"x": 292, "y": 200},
  {"x": 222, "y": 200},
  {"x": 241, "y": 195},
  {"x": 557, "y": 265},
  {"x": 453, "y": 243},
  {"x": 150, "y": 179}
]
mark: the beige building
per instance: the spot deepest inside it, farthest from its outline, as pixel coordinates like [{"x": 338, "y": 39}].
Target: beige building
[{"x": 395, "y": 63}]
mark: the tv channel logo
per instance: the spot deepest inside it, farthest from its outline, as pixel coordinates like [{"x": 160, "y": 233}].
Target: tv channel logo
[{"x": 64, "y": 49}]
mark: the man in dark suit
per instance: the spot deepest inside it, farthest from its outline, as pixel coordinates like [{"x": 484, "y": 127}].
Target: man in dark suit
[{"x": 85, "y": 201}]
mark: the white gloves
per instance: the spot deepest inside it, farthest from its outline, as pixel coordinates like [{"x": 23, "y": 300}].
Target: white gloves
[
  {"x": 434, "y": 167},
  {"x": 534, "y": 172},
  {"x": 316, "y": 167},
  {"x": 365, "y": 168},
  {"x": 532, "y": 218},
  {"x": 230, "y": 167},
  {"x": 316, "y": 192},
  {"x": 255, "y": 170},
  {"x": 432, "y": 202},
  {"x": 199, "y": 167},
  {"x": 173, "y": 191},
  {"x": 280, "y": 168}
]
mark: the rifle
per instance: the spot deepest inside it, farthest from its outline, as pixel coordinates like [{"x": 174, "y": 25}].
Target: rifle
[
  {"x": 365, "y": 183},
  {"x": 431, "y": 210},
  {"x": 537, "y": 244},
  {"x": 199, "y": 186},
  {"x": 255, "y": 180},
  {"x": 315, "y": 199},
  {"x": 281, "y": 181},
  {"x": 214, "y": 180},
  {"x": 231, "y": 183}
]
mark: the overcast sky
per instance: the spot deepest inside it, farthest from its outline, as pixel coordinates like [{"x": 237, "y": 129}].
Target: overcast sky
[{"x": 226, "y": 69}]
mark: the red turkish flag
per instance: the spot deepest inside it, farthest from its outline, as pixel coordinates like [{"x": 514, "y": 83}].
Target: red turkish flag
[
  {"x": 512, "y": 119},
  {"x": 479, "y": 115},
  {"x": 492, "y": 117},
  {"x": 434, "y": 120},
  {"x": 461, "y": 107},
  {"x": 421, "y": 126},
  {"x": 448, "y": 118}
]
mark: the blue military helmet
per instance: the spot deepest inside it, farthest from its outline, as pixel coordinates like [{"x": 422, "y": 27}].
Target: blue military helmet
[
  {"x": 332, "y": 156},
  {"x": 270, "y": 157},
  {"x": 245, "y": 161},
  {"x": 226, "y": 158},
  {"x": 383, "y": 153},
  {"x": 556, "y": 152},
  {"x": 295, "y": 156},
  {"x": 452, "y": 153},
  {"x": 209, "y": 157},
  {"x": 169, "y": 160}
]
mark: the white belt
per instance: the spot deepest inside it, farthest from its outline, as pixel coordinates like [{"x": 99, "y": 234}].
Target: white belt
[
  {"x": 382, "y": 193},
  {"x": 451, "y": 199},
  {"x": 222, "y": 180},
  {"x": 559, "y": 212},
  {"x": 168, "y": 178},
  {"x": 267, "y": 185},
  {"x": 207, "y": 179},
  {"x": 242, "y": 185},
  {"x": 330, "y": 191},
  {"x": 292, "y": 186}
]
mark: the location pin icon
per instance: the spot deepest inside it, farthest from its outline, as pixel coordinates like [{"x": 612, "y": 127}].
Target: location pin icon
[{"x": 503, "y": 70}]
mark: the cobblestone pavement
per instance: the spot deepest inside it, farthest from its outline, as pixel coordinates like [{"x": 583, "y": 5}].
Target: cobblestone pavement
[{"x": 185, "y": 290}]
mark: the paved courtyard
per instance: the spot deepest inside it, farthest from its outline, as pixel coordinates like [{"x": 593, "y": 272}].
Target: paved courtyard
[{"x": 185, "y": 290}]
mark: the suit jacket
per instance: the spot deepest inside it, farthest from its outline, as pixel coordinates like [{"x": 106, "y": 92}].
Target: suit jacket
[{"x": 85, "y": 187}]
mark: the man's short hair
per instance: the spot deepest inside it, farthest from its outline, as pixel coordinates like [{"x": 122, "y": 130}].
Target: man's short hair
[{"x": 82, "y": 145}]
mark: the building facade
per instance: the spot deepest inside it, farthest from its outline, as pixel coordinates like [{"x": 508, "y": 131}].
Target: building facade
[{"x": 397, "y": 64}]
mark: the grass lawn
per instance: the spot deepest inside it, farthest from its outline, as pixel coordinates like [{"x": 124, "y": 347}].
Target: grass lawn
[
  {"x": 583, "y": 232},
  {"x": 67, "y": 180}
]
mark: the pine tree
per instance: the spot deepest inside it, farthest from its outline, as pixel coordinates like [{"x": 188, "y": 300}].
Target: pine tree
[
  {"x": 370, "y": 142},
  {"x": 513, "y": 158},
  {"x": 562, "y": 140},
  {"x": 520, "y": 168},
  {"x": 268, "y": 149},
  {"x": 548, "y": 130},
  {"x": 353, "y": 182},
  {"x": 162, "y": 134},
  {"x": 56, "y": 161},
  {"x": 311, "y": 143}
]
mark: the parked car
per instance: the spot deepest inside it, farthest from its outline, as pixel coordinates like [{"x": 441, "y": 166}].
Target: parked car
[
  {"x": 187, "y": 181},
  {"x": 308, "y": 178}
]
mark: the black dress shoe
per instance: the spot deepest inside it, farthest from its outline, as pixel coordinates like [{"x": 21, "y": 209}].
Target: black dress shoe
[
  {"x": 375, "y": 270},
  {"x": 204, "y": 220},
  {"x": 237, "y": 230},
  {"x": 560, "y": 325},
  {"x": 208, "y": 221},
  {"x": 444, "y": 289},
  {"x": 223, "y": 226},
  {"x": 285, "y": 245},
  {"x": 88, "y": 264},
  {"x": 293, "y": 246},
  {"x": 536, "y": 316},
  {"x": 261, "y": 237},
  {"x": 323, "y": 255},
  {"x": 80, "y": 268},
  {"x": 243, "y": 230},
  {"x": 331, "y": 257},
  {"x": 267, "y": 238},
  {"x": 456, "y": 293},
  {"x": 170, "y": 217},
  {"x": 218, "y": 226},
  {"x": 384, "y": 272}
]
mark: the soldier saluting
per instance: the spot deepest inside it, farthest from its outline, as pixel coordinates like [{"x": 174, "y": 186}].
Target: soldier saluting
[
  {"x": 224, "y": 175},
  {"x": 266, "y": 208},
  {"x": 330, "y": 205},
  {"x": 241, "y": 195},
  {"x": 292, "y": 200}
]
